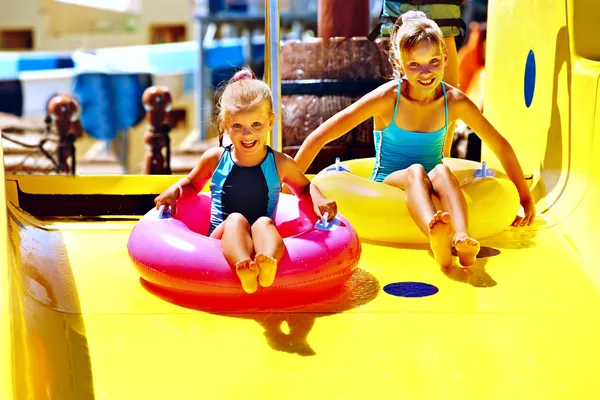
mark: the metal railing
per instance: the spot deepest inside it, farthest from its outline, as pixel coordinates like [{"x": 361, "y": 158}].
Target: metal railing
[
  {"x": 272, "y": 67},
  {"x": 273, "y": 18}
]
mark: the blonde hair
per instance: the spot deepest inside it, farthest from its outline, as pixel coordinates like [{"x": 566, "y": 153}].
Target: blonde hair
[
  {"x": 412, "y": 29},
  {"x": 243, "y": 91}
]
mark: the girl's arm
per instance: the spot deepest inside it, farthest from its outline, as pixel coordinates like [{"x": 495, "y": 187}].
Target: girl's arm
[
  {"x": 341, "y": 123},
  {"x": 203, "y": 171},
  {"x": 197, "y": 178},
  {"x": 302, "y": 187},
  {"x": 470, "y": 114}
]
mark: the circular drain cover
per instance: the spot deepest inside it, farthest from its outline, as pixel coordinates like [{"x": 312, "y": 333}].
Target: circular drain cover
[{"x": 410, "y": 289}]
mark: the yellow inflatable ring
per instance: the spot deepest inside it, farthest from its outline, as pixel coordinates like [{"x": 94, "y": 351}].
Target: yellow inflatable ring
[{"x": 378, "y": 211}]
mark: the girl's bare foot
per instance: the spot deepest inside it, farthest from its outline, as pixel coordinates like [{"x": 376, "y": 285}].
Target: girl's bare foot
[
  {"x": 467, "y": 249},
  {"x": 440, "y": 238},
  {"x": 247, "y": 271},
  {"x": 267, "y": 269}
]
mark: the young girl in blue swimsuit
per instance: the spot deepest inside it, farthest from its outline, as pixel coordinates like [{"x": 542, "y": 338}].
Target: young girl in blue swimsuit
[
  {"x": 246, "y": 178},
  {"x": 411, "y": 117}
]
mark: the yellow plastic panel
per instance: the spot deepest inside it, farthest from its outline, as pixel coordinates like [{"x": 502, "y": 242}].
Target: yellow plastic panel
[
  {"x": 553, "y": 134},
  {"x": 87, "y": 328},
  {"x": 586, "y": 29},
  {"x": 6, "y": 356}
]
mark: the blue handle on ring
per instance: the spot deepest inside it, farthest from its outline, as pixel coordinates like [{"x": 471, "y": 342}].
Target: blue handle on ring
[
  {"x": 337, "y": 167},
  {"x": 483, "y": 171},
  {"x": 164, "y": 214},
  {"x": 324, "y": 225}
]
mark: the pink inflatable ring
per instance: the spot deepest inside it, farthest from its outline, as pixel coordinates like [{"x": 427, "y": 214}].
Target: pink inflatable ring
[{"x": 175, "y": 254}]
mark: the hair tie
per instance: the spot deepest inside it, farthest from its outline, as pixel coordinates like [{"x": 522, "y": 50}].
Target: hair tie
[
  {"x": 244, "y": 74},
  {"x": 413, "y": 16}
]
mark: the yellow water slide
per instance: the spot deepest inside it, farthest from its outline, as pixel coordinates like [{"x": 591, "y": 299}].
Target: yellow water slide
[
  {"x": 77, "y": 323},
  {"x": 542, "y": 92}
]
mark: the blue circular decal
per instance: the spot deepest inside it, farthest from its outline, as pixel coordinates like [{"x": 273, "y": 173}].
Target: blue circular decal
[
  {"x": 529, "y": 84},
  {"x": 410, "y": 289}
]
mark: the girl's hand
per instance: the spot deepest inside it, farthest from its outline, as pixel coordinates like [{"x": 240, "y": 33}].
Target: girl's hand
[
  {"x": 196, "y": 180},
  {"x": 168, "y": 198},
  {"x": 323, "y": 206},
  {"x": 528, "y": 213}
]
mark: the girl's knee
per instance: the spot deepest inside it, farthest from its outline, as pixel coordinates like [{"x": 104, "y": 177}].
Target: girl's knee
[
  {"x": 441, "y": 173},
  {"x": 417, "y": 172},
  {"x": 265, "y": 227},
  {"x": 417, "y": 177},
  {"x": 442, "y": 169},
  {"x": 263, "y": 222},
  {"x": 238, "y": 220}
]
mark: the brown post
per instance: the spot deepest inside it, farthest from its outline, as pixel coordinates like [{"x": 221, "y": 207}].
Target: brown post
[
  {"x": 157, "y": 102},
  {"x": 63, "y": 111},
  {"x": 343, "y": 18}
]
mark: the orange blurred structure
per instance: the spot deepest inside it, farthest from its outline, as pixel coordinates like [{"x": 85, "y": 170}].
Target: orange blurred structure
[{"x": 471, "y": 63}]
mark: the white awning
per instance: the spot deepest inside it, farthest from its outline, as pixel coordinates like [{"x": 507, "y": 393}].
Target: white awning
[{"x": 125, "y": 6}]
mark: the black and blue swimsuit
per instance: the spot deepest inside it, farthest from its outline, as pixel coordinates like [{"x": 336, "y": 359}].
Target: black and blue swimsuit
[{"x": 250, "y": 191}]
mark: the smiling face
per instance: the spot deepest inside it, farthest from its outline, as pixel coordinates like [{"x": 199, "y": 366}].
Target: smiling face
[
  {"x": 424, "y": 65},
  {"x": 248, "y": 128}
]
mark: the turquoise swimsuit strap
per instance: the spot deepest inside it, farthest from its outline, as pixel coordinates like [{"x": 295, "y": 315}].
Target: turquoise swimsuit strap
[
  {"x": 397, "y": 101},
  {"x": 445, "y": 101}
]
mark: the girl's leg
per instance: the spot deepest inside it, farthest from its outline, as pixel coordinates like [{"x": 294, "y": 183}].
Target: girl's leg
[
  {"x": 238, "y": 248},
  {"x": 268, "y": 245},
  {"x": 217, "y": 233},
  {"x": 445, "y": 186},
  {"x": 436, "y": 225}
]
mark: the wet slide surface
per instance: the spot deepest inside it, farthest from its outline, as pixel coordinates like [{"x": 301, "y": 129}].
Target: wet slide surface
[{"x": 520, "y": 322}]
